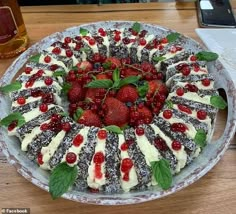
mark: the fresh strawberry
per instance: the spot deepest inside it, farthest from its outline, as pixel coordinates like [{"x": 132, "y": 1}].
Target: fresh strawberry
[
  {"x": 130, "y": 72},
  {"x": 156, "y": 85},
  {"x": 76, "y": 93},
  {"x": 102, "y": 77},
  {"x": 145, "y": 113},
  {"x": 91, "y": 93},
  {"x": 115, "y": 62},
  {"x": 89, "y": 118},
  {"x": 117, "y": 112},
  {"x": 127, "y": 93},
  {"x": 85, "y": 66}
]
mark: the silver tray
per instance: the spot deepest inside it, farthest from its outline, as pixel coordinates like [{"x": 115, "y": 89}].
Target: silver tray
[{"x": 200, "y": 166}]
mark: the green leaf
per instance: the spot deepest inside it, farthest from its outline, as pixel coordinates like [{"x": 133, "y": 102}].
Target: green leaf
[
  {"x": 116, "y": 75},
  {"x": 78, "y": 113},
  {"x": 113, "y": 128},
  {"x": 86, "y": 50},
  {"x": 83, "y": 31},
  {"x": 169, "y": 104},
  {"x": 200, "y": 138},
  {"x": 206, "y": 56},
  {"x": 106, "y": 65},
  {"x": 74, "y": 68},
  {"x": 62, "y": 177},
  {"x": 65, "y": 88},
  {"x": 16, "y": 116},
  {"x": 136, "y": 27},
  {"x": 129, "y": 80},
  {"x": 35, "y": 58},
  {"x": 162, "y": 173},
  {"x": 11, "y": 87},
  {"x": 159, "y": 58},
  {"x": 100, "y": 84},
  {"x": 218, "y": 102},
  {"x": 64, "y": 114},
  {"x": 172, "y": 37},
  {"x": 59, "y": 73},
  {"x": 143, "y": 89}
]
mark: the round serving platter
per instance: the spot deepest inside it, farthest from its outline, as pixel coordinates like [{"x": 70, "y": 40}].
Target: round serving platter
[{"x": 211, "y": 154}]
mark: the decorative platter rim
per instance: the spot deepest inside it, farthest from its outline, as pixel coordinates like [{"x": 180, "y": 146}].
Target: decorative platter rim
[{"x": 189, "y": 175}]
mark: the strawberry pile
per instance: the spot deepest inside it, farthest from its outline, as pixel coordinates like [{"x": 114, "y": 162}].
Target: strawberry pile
[{"x": 112, "y": 91}]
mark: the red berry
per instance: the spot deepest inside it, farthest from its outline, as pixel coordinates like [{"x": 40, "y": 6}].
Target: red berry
[
  {"x": 92, "y": 41},
  {"x": 48, "y": 81},
  {"x": 180, "y": 91},
  {"x": 193, "y": 58},
  {"x": 184, "y": 109},
  {"x": 12, "y": 125},
  {"x": 201, "y": 114},
  {"x": 71, "y": 157},
  {"x": 206, "y": 82},
  {"x": 117, "y": 38},
  {"x": 43, "y": 107},
  {"x": 140, "y": 131},
  {"x": 160, "y": 47},
  {"x": 56, "y": 50},
  {"x": 21, "y": 100},
  {"x": 164, "y": 40},
  {"x": 126, "y": 165},
  {"x": 126, "y": 177},
  {"x": 102, "y": 134},
  {"x": 142, "y": 41},
  {"x": 53, "y": 67},
  {"x": 167, "y": 114},
  {"x": 98, "y": 158},
  {"x": 28, "y": 70},
  {"x": 67, "y": 40},
  {"x": 66, "y": 126},
  {"x": 40, "y": 159},
  {"x": 47, "y": 59},
  {"x": 160, "y": 144},
  {"x": 78, "y": 140},
  {"x": 69, "y": 53},
  {"x": 186, "y": 70},
  {"x": 191, "y": 88},
  {"x": 196, "y": 67},
  {"x": 178, "y": 127},
  {"x": 124, "y": 146},
  {"x": 176, "y": 145},
  {"x": 44, "y": 127}
]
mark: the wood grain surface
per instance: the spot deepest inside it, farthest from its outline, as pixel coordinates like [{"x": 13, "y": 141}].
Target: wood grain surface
[{"x": 214, "y": 193}]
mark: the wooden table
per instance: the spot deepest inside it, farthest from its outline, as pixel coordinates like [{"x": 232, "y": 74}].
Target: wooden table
[{"x": 214, "y": 193}]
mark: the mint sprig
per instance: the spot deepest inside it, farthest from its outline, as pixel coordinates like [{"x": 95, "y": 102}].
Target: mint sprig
[
  {"x": 162, "y": 173},
  {"x": 83, "y": 31},
  {"x": 128, "y": 80},
  {"x": 16, "y": 116},
  {"x": 218, "y": 102},
  {"x": 65, "y": 88},
  {"x": 172, "y": 37},
  {"x": 11, "y": 87},
  {"x": 143, "y": 89},
  {"x": 159, "y": 58},
  {"x": 59, "y": 73},
  {"x": 61, "y": 179},
  {"x": 35, "y": 58},
  {"x": 78, "y": 113},
  {"x": 206, "y": 56},
  {"x": 136, "y": 27},
  {"x": 113, "y": 128},
  {"x": 169, "y": 104},
  {"x": 200, "y": 138},
  {"x": 100, "y": 84}
]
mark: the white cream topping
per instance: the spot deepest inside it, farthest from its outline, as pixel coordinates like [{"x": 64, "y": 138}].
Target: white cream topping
[
  {"x": 49, "y": 150},
  {"x": 180, "y": 155},
  {"x": 141, "y": 47},
  {"x": 133, "y": 179}
]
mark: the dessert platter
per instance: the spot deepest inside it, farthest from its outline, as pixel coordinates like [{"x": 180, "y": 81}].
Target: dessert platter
[{"x": 114, "y": 112}]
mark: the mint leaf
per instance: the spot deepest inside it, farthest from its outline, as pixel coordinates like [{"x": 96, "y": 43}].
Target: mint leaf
[
  {"x": 59, "y": 73},
  {"x": 129, "y": 80},
  {"x": 200, "y": 138},
  {"x": 143, "y": 89},
  {"x": 169, "y": 104},
  {"x": 62, "y": 177},
  {"x": 162, "y": 173},
  {"x": 136, "y": 27},
  {"x": 78, "y": 113},
  {"x": 11, "y": 87},
  {"x": 172, "y": 37},
  {"x": 35, "y": 58},
  {"x": 116, "y": 75},
  {"x": 16, "y": 116},
  {"x": 86, "y": 50},
  {"x": 218, "y": 102},
  {"x": 83, "y": 31},
  {"x": 100, "y": 84},
  {"x": 113, "y": 128},
  {"x": 159, "y": 58},
  {"x": 106, "y": 65},
  {"x": 65, "y": 88},
  {"x": 206, "y": 56}
]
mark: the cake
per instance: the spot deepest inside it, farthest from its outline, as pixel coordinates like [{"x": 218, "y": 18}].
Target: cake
[{"x": 116, "y": 109}]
